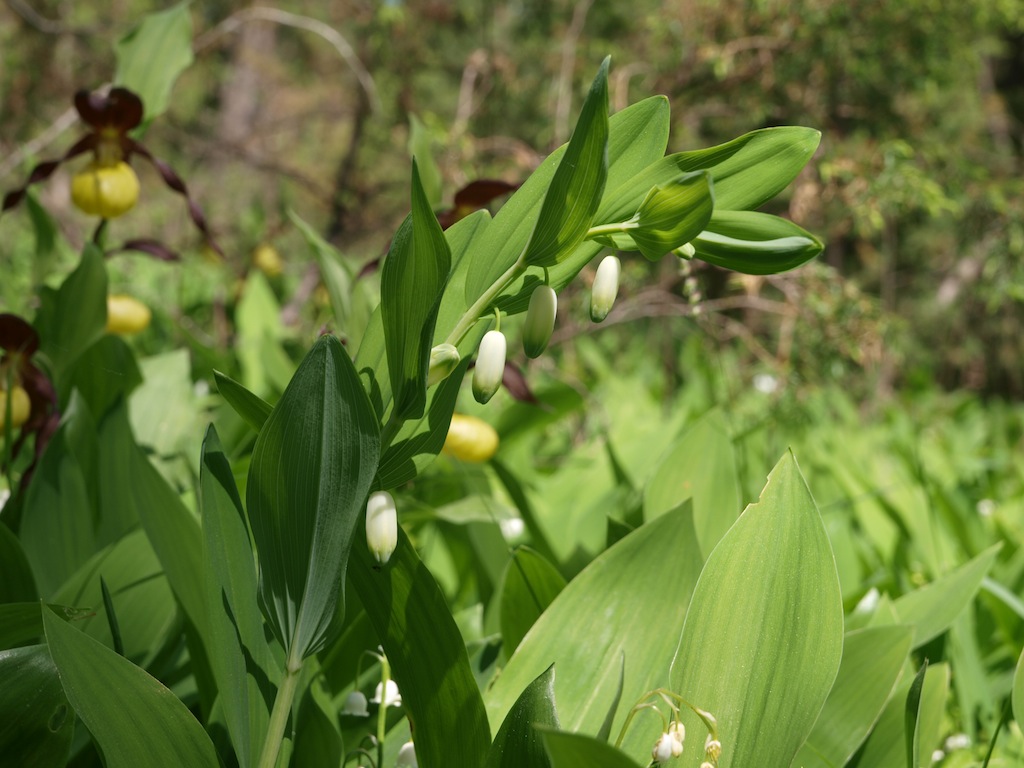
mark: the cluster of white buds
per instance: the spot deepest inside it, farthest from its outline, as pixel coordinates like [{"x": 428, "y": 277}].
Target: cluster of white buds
[
  {"x": 670, "y": 744},
  {"x": 381, "y": 526}
]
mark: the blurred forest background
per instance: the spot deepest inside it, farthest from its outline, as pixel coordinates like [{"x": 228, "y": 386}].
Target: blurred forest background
[{"x": 917, "y": 187}]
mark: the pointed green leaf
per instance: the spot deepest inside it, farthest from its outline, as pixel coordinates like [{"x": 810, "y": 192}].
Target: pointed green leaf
[
  {"x": 17, "y": 583},
  {"x": 764, "y": 632},
  {"x": 629, "y": 602},
  {"x": 240, "y": 657},
  {"x": 21, "y": 623},
  {"x": 151, "y": 56},
  {"x": 572, "y": 750},
  {"x": 36, "y": 721},
  {"x": 755, "y": 243},
  {"x": 932, "y": 608},
  {"x": 872, "y": 661},
  {"x": 529, "y": 585},
  {"x": 253, "y": 409},
  {"x": 518, "y": 742},
  {"x": 577, "y": 186},
  {"x": 701, "y": 466},
  {"x": 311, "y": 470},
  {"x": 420, "y": 150},
  {"x": 426, "y": 653},
  {"x": 156, "y": 730},
  {"x": 104, "y": 372},
  {"x": 910, "y": 717},
  {"x": 1018, "y": 690},
  {"x": 413, "y": 278}
]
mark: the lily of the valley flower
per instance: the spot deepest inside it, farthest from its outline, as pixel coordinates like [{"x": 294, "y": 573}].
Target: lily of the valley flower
[
  {"x": 605, "y": 288},
  {"x": 490, "y": 366},
  {"x": 406, "y": 756},
  {"x": 381, "y": 526},
  {"x": 355, "y": 705},
  {"x": 387, "y": 695},
  {"x": 540, "y": 320}
]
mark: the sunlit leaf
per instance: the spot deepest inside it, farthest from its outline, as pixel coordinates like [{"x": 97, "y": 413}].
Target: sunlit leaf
[
  {"x": 572, "y": 750},
  {"x": 755, "y": 243},
  {"x": 518, "y": 742}
]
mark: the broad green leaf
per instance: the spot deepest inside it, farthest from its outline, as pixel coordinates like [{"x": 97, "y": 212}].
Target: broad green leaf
[
  {"x": 933, "y": 607},
  {"x": 912, "y": 712},
  {"x": 151, "y": 56},
  {"x": 74, "y": 316},
  {"x": 573, "y": 750},
  {"x": 763, "y": 635},
  {"x": 166, "y": 414},
  {"x": 266, "y": 367},
  {"x": 412, "y": 280},
  {"x": 317, "y": 737},
  {"x": 253, "y": 409},
  {"x": 239, "y": 655},
  {"x": 1018, "y": 690},
  {"x": 105, "y": 372},
  {"x": 628, "y": 603},
  {"x": 413, "y": 623},
  {"x": 57, "y": 527},
  {"x": 575, "y": 192},
  {"x": 156, "y": 730},
  {"x": 36, "y": 721},
  {"x": 886, "y": 746},
  {"x": 21, "y": 623},
  {"x": 17, "y": 583},
  {"x": 755, "y": 243},
  {"x": 140, "y": 590},
  {"x": 528, "y": 587},
  {"x": 746, "y": 172},
  {"x": 311, "y": 470},
  {"x": 701, "y": 466},
  {"x": 518, "y": 742},
  {"x": 872, "y": 661}
]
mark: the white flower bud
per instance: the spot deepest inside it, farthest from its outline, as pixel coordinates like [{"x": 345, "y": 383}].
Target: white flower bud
[
  {"x": 355, "y": 705},
  {"x": 381, "y": 525},
  {"x": 606, "y": 286},
  {"x": 406, "y": 756},
  {"x": 663, "y": 748},
  {"x": 444, "y": 358},
  {"x": 540, "y": 320},
  {"x": 712, "y": 749},
  {"x": 490, "y": 366}
]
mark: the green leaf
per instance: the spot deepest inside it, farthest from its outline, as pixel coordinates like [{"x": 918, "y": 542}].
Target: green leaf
[
  {"x": 529, "y": 585},
  {"x": 413, "y": 278},
  {"x": 629, "y": 602},
  {"x": 74, "y": 316},
  {"x": 911, "y": 714},
  {"x": 36, "y": 721},
  {"x": 152, "y": 56},
  {"x": 265, "y": 365},
  {"x": 575, "y": 192},
  {"x": 572, "y": 750},
  {"x": 755, "y": 243},
  {"x": 156, "y": 730},
  {"x": 21, "y": 623},
  {"x": 105, "y": 372},
  {"x": 421, "y": 152},
  {"x": 253, "y": 409},
  {"x": 873, "y": 659},
  {"x": 240, "y": 657},
  {"x": 934, "y": 607},
  {"x": 701, "y": 466},
  {"x": 764, "y": 632},
  {"x": 518, "y": 742},
  {"x": 426, "y": 653},
  {"x": 16, "y": 581},
  {"x": 311, "y": 470}
]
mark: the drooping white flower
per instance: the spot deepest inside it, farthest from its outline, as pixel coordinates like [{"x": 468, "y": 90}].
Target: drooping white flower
[
  {"x": 355, "y": 705},
  {"x": 381, "y": 525},
  {"x": 605, "y": 288},
  {"x": 392, "y": 697},
  {"x": 406, "y": 756},
  {"x": 490, "y": 366},
  {"x": 540, "y": 320}
]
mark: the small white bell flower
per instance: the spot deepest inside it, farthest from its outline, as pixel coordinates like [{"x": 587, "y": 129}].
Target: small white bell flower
[
  {"x": 605, "y": 288},
  {"x": 355, "y": 705},
  {"x": 381, "y": 525},
  {"x": 490, "y": 366},
  {"x": 406, "y": 756},
  {"x": 392, "y": 697},
  {"x": 664, "y": 748}
]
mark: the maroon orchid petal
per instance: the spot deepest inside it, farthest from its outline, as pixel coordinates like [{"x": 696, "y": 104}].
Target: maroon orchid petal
[
  {"x": 45, "y": 170},
  {"x": 151, "y": 247},
  {"x": 176, "y": 183},
  {"x": 479, "y": 193},
  {"x": 120, "y": 109},
  {"x": 369, "y": 268},
  {"x": 515, "y": 383},
  {"x": 16, "y": 335}
]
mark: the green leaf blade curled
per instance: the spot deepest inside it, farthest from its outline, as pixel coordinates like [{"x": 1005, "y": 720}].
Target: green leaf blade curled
[
  {"x": 763, "y": 636},
  {"x": 311, "y": 471},
  {"x": 518, "y": 743},
  {"x": 577, "y": 186},
  {"x": 156, "y": 730},
  {"x": 673, "y": 214},
  {"x": 755, "y": 243},
  {"x": 412, "y": 281}
]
